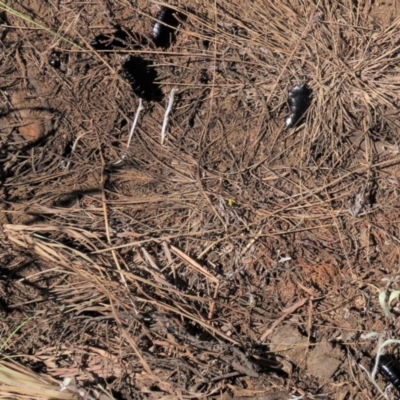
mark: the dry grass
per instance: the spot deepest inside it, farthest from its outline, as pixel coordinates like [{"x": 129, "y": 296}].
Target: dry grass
[{"x": 163, "y": 277}]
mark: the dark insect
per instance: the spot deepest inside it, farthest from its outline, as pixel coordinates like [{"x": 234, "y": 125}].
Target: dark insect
[
  {"x": 163, "y": 35},
  {"x": 141, "y": 77},
  {"x": 54, "y": 59},
  {"x": 299, "y": 101},
  {"x": 110, "y": 42},
  {"x": 58, "y": 60},
  {"x": 3, "y": 29},
  {"x": 389, "y": 367}
]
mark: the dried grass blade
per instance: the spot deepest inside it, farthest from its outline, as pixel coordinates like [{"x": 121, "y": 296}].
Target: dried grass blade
[
  {"x": 19, "y": 380},
  {"x": 202, "y": 270},
  {"x": 193, "y": 263},
  {"x": 286, "y": 312}
]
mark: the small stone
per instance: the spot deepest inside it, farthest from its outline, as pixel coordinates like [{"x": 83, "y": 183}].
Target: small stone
[
  {"x": 323, "y": 361},
  {"x": 32, "y": 125}
]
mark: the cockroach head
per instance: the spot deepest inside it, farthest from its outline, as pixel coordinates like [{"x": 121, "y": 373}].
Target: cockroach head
[{"x": 300, "y": 91}]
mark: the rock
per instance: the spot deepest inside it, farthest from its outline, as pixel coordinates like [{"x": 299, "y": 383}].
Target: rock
[
  {"x": 288, "y": 341},
  {"x": 29, "y": 110},
  {"x": 323, "y": 361}
]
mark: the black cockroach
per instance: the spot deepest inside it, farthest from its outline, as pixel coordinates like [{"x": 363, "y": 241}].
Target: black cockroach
[
  {"x": 163, "y": 35},
  {"x": 389, "y": 367},
  {"x": 299, "y": 101},
  {"x": 141, "y": 77}
]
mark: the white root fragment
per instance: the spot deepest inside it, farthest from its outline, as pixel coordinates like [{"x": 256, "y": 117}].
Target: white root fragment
[
  {"x": 134, "y": 123},
  {"x": 167, "y": 112},
  {"x": 65, "y": 165}
]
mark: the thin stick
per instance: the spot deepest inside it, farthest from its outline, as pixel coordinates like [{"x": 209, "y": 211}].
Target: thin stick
[
  {"x": 134, "y": 123},
  {"x": 167, "y": 111},
  {"x": 285, "y": 313},
  {"x": 203, "y": 271}
]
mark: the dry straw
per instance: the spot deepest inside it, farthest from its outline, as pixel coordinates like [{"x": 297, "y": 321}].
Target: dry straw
[{"x": 19, "y": 383}]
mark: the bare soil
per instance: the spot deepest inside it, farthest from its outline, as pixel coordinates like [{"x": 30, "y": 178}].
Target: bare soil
[{"x": 240, "y": 259}]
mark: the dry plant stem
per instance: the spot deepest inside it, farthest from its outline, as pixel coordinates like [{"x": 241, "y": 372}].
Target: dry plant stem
[
  {"x": 167, "y": 112},
  {"x": 169, "y": 258},
  {"x": 140, "y": 242},
  {"x": 132, "y": 343},
  {"x": 183, "y": 313},
  {"x": 252, "y": 241},
  {"x": 154, "y": 270},
  {"x": 286, "y": 312},
  {"x": 134, "y": 123},
  {"x": 202, "y": 270}
]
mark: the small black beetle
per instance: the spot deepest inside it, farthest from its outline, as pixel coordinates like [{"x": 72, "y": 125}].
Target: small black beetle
[
  {"x": 389, "y": 367},
  {"x": 163, "y": 35},
  {"x": 141, "y": 77},
  {"x": 299, "y": 101},
  {"x": 54, "y": 59}
]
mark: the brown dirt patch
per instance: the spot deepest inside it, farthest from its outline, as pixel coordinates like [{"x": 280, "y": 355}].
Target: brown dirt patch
[{"x": 238, "y": 260}]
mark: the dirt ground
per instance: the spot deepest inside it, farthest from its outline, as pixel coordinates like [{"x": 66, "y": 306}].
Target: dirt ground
[{"x": 239, "y": 259}]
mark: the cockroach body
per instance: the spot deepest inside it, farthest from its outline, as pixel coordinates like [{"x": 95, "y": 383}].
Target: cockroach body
[
  {"x": 163, "y": 35},
  {"x": 299, "y": 101},
  {"x": 389, "y": 367},
  {"x": 141, "y": 77}
]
